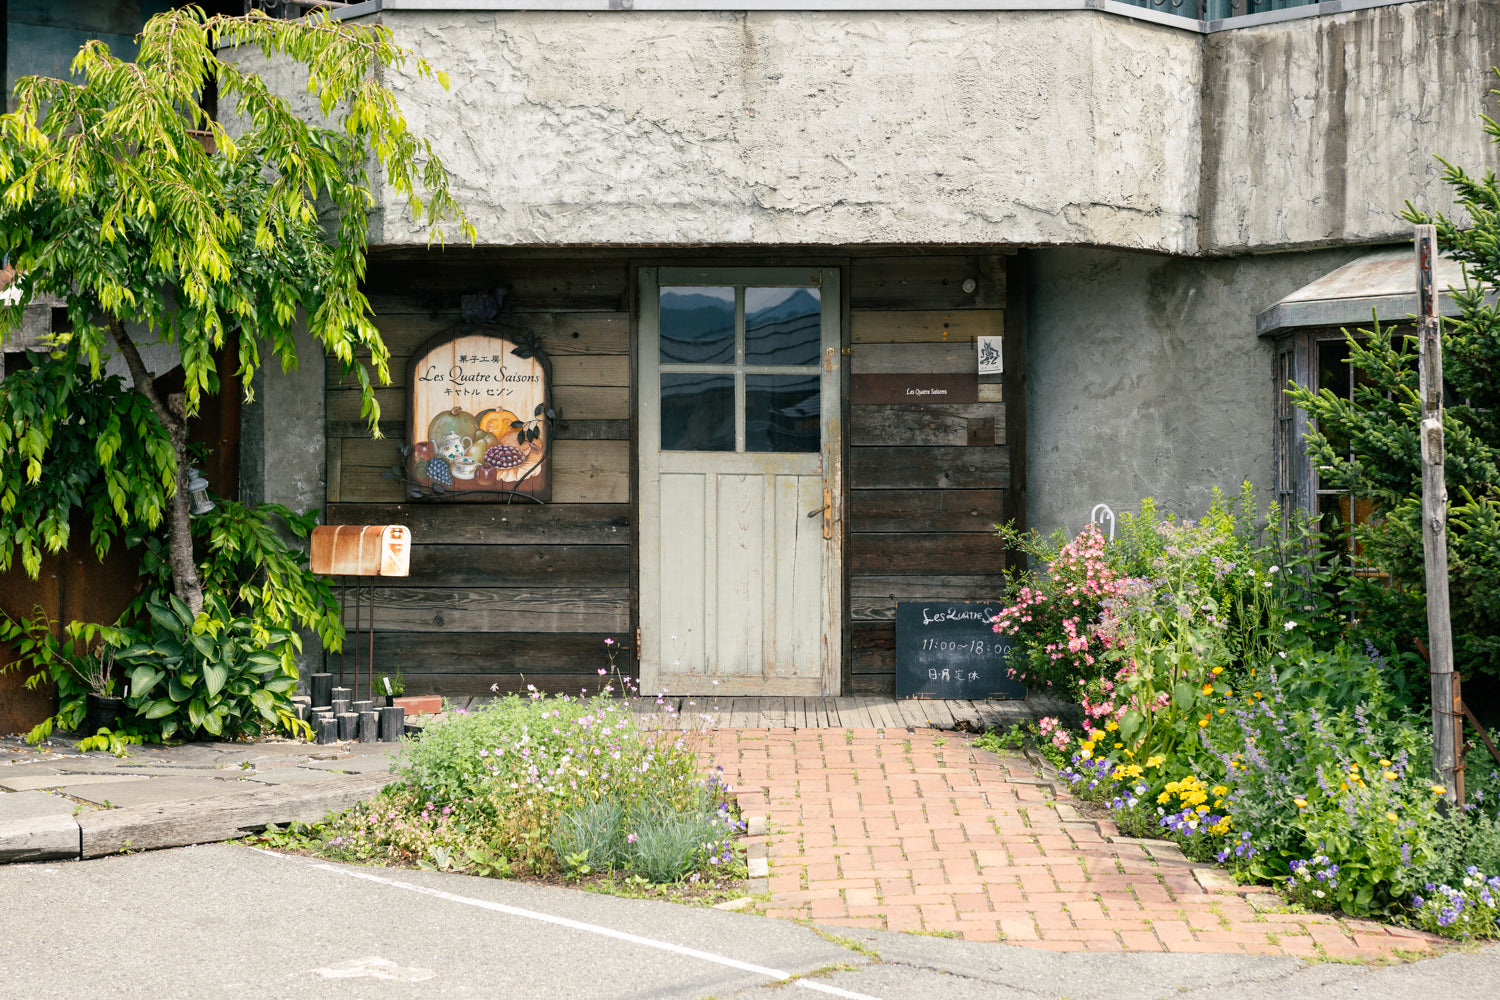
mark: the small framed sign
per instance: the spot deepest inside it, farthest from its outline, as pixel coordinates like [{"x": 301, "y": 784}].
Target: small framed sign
[
  {"x": 477, "y": 416},
  {"x": 991, "y": 355},
  {"x": 949, "y": 650}
]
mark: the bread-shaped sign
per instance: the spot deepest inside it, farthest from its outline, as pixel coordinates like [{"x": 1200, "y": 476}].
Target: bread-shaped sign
[{"x": 361, "y": 550}]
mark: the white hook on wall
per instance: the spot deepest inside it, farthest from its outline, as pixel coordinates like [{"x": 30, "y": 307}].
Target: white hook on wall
[{"x": 1100, "y": 514}]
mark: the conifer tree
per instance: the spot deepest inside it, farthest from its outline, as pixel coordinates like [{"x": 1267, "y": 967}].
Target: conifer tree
[{"x": 1369, "y": 444}]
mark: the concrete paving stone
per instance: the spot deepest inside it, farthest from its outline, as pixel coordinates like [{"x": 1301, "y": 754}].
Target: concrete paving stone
[
  {"x": 352, "y": 765},
  {"x": 33, "y": 805},
  {"x": 39, "y": 838},
  {"x": 149, "y": 791},
  {"x": 69, "y": 781}
]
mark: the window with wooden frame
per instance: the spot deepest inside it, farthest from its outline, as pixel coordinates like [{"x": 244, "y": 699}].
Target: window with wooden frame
[{"x": 1316, "y": 358}]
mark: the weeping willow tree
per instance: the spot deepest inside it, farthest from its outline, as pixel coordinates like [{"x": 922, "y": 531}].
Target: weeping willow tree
[{"x": 153, "y": 223}]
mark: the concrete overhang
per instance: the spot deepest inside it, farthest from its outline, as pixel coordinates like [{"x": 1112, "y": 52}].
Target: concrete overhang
[{"x": 1380, "y": 285}]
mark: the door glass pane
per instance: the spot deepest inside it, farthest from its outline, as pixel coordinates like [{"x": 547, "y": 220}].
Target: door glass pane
[
  {"x": 697, "y": 412},
  {"x": 781, "y": 412},
  {"x": 782, "y": 326},
  {"x": 697, "y": 326}
]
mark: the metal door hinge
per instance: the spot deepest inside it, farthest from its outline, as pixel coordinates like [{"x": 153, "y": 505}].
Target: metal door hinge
[{"x": 637, "y": 642}]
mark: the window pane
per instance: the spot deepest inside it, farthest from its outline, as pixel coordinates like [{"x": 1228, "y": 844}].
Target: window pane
[
  {"x": 697, "y": 326},
  {"x": 781, "y": 413},
  {"x": 697, "y": 412},
  {"x": 783, "y": 326}
]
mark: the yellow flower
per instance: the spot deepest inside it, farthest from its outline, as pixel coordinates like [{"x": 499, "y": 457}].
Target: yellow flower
[
  {"x": 1392, "y": 817},
  {"x": 1155, "y": 760},
  {"x": 1390, "y": 775},
  {"x": 1220, "y": 790},
  {"x": 1112, "y": 726},
  {"x": 1385, "y": 763},
  {"x": 1221, "y": 711},
  {"x": 1217, "y": 671},
  {"x": 1300, "y": 803},
  {"x": 1257, "y": 694},
  {"x": 1097, "y": 735},
  {"x": 1118, "y": 745},
  {"x": 1201, "y": 810},
  {"x": 1202, "y": 723},
  {"x": 1344, "y": 785},
  {"x": 1439, "y": 790},
  {"x": 1208, "y": 689}
]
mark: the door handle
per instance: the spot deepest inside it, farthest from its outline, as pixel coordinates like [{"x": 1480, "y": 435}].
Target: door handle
[{"x": 817, "y": 510}]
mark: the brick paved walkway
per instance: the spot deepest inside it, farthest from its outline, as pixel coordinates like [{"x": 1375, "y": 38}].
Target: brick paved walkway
[{"x": 916, "y": 831}]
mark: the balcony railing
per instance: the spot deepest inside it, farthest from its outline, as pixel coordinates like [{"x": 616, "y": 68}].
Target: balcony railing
[{"x": 1212, "y": 10}]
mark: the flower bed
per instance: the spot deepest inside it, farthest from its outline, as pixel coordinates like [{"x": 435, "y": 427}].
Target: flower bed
[
  {"x": 1226, "y": 706},
  {"x": 545, "y": 786}
]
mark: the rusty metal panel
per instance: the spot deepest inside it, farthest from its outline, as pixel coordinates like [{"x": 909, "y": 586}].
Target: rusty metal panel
[{"x": 361, "y": 550}]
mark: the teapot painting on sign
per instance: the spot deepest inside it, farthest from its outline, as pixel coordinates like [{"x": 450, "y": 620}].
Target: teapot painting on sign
[{"x": 479, "y": 417}]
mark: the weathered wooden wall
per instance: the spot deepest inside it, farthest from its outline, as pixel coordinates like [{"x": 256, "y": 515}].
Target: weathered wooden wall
[
  {"x": 501, "y": 594},
  {"x": 928, "y": 482},
  {"x": 527, "y": 594}
]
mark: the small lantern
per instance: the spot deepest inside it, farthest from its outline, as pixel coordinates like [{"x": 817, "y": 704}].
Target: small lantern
[{"x": 198, "y": 487}]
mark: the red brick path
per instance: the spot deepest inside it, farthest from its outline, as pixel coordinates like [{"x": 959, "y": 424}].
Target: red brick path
[{"x": 917, "y": 831}]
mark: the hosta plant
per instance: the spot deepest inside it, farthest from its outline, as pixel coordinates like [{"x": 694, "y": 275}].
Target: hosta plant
[{"x": 208, "y": 674}]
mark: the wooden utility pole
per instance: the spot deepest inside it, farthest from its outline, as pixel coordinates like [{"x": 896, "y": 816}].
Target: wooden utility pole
[{"x": 1435, "y": 518}]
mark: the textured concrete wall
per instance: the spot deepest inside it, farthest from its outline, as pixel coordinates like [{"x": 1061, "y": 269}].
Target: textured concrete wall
[
  {"x": 1318, "y": 130},
  {"x": 283, "y": 449},
  {"x": 811, "y": 127},
  {"x": 1144, "y": 377},
  {"x": 921, "y": 127}
]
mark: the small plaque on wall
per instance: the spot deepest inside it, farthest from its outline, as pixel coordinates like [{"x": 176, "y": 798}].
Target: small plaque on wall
[
  {"x": 991, "y": 355},
  {"x": 477, "y": 416},
  {"x": 914, "y": 388},
  {"x": 949, "y": 650}
]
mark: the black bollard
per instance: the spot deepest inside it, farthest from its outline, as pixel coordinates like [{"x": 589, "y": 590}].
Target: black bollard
[
  {"x": 348, "y": 725},
  {"x": 321, "y": 686},
  {"x": 345, "y": 693},
  {"x": 369, "y": 727},
  {"x": 360, "y": 706},
  {"x": 340, "y": 705}
]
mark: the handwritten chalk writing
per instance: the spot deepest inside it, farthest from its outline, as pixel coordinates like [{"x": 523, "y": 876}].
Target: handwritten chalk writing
[{"x": 930, "y": 617}]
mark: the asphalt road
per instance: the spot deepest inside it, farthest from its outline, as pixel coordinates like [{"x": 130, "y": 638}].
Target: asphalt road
[{"x": 229, "y": 921}]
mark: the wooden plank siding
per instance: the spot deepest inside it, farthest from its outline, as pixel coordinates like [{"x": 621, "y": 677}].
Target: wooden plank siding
[
  {"x": 499, "y": 594},
  {"x": 928, "y": 482},
  {"x": 519, "y": 594}
]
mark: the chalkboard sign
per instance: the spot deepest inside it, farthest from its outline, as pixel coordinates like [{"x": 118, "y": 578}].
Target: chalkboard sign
[{"x": 947, "y": 649}]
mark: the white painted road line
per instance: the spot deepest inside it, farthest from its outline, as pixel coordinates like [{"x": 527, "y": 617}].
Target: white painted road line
[{"x": 578, "y": 925}]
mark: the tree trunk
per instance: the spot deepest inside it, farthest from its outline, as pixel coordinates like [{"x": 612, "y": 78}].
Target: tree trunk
[{"x": 185, "y": 582}]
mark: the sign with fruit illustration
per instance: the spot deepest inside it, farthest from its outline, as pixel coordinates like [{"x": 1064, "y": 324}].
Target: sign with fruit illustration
[{"x": 479, "y": 417}]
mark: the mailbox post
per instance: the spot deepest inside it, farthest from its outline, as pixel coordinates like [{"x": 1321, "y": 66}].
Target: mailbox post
[{"x": 363, "y": 551}]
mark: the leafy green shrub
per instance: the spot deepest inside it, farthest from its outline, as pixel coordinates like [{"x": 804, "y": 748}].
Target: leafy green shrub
[
  {"x": 553, "y": 784},
  {"x": 211, "y": 673},
  {"x": 72, "y": 656}
]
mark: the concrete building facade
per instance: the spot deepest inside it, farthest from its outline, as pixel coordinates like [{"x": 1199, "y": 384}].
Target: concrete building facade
[{"x": 1116, "y": 193}]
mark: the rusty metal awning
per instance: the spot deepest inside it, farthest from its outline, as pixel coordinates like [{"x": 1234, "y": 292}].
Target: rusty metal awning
[{"x": 1382, "y": 284}]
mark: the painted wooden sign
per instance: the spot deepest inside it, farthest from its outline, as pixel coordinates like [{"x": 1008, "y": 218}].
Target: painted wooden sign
[
  {"x": 476, "y": 419},
  {"x": 918, "y": 387},
  {"x": 949, "y": 650}
]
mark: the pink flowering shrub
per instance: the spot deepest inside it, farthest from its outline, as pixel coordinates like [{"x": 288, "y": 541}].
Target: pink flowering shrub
[{"x": 1054, "y": 618}]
